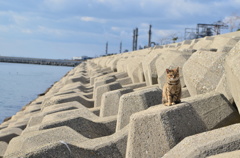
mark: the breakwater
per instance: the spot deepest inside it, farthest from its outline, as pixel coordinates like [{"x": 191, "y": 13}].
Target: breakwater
[
  {"x": 110, "y": 107},
  {"x": 56, "y": 62}
]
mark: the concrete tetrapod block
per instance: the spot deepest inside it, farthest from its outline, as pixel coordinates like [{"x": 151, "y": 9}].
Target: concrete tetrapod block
[
  {"x": 106, "y": 77},
  {"x": 135, "y": 102},
  {"x": 149, "y": 67},
  {"x": 232, "y": 154},
  {"x": 203, "y": 43},
  {"x": 86, "y": 127},
  {"x": 223, "y": 88},
  {"x": 135, "y": 69},
  {"x": 81, "y": 120},
  {"x": 61, "y": 107},
  {"x": 32, "y": 108},
  {"x": 110, "y": 101},
  {"x": 203, "y": 71},
  {"x": 103, "y": 81},
  {"x": 232, "y": 68},
  {"x": 155, "y": 131},
  {"x": 81, "y": 112},
  {"x": 3, "y": 148},
  {"x": 37, "y": 119},
  {"x": 103, "y": 89},
  {"x": 125, "y": 81},
  {"x": 68, "y": 98},
  {"x": 208, "y": 143},
  {"x": 73, "y": 86},
  {"x": 113, "y": 146},
  {"x": 8, "y": 133},
  {"x": 170, "y": 59},
  {"x": 135, "y": 85},
  {"x": 63, "y": 92},
  {"x": 78, "y": 78},
  {"x": 29, "y": 142}
]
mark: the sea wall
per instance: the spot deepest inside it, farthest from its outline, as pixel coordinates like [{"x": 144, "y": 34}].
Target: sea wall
[
  {"x": 110, "y": 107},
  {"x": 39, "y": 61}
]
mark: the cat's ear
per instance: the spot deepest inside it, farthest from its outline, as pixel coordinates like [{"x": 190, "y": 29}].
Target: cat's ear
[
  {"x": 177, "y": 69},
  {"x": 167, "y": 70}
]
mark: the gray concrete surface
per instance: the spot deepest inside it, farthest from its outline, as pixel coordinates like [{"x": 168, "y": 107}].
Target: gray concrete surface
[{"x": 155, "y": 131}]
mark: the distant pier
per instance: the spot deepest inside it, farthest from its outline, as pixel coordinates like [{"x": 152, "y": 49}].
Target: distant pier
[{"x": 39, "y": 61}]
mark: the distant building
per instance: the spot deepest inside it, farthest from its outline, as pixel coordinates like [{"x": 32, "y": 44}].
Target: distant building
[{"x": 81, "y": 58}]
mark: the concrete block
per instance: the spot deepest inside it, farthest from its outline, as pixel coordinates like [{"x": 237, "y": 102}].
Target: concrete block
[
  {"x": 149, "y": 67},
  {"x": 32, "y": 108},
  {"x": 3, "y": 148},
  {"x": 78, "y": 78},
  {"x": 185, "y": 93},
  {"x": 208, "y": 143},
  {"x": 104, "y": 81},
  {"x": 80, "y": 112},
  {"x": 120, "y": 75},
  {"x": 135, "y": 85},
  {"x": 103, "y": 89},
  {"x": 232, "y": 154},
  {"x": 121, "y": 64},
  {"x": 19, "y": 124},
  {"x": 125, "y": 81},
  {"x": 31, "y": 141},
  {"x": 135, "y": 69},
  {"x": 110, "y": 101},
  {"x": 155, "y": 131},
  {"x": 223, "y": 88},
  {"x": 7, "y": 134},
  {"x": 95, "y": 110},
  {"x": 203, "y": 43},
  {"x": 68, "y": 98},
  {"x": 61, "y": 107},
  {"x": 170, "y": 60},
  {"x": 35, "y": 120},
  {"x": 135, "y": 102},
  {"x": 75, "y": 86},
  {"x": 203, "y": 71},
  {"x": 86, "y": 127},
  {"x": 64, "y": 142},
  {"x": 232, "y": 68},
  {"x": 113, "y": 64}
]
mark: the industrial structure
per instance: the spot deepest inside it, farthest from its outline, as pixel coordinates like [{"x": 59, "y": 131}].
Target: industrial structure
[{"x": 203, "y": 30}]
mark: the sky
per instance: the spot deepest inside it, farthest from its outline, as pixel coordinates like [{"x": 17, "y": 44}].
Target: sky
[{"x": 62, "y": 29}]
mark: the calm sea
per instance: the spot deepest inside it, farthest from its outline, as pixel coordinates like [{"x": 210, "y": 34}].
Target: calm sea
[{"x": 21, "y": 83}]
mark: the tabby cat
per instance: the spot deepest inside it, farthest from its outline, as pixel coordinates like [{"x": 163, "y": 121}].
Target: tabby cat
[{"x": 172, "y": 88}]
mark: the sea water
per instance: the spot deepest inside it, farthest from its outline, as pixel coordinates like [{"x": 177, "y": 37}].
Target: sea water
[{"x": 21, "y": 83}]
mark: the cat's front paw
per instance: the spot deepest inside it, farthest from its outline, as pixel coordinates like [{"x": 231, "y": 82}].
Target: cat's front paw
[
  {"x": 173, "y": 103},
  {"x": 167, "y": 104}
]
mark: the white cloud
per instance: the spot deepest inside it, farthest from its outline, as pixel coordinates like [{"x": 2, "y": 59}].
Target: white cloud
[
  {"x": 27, "y": 31},
  {"x": 115, "y": 28},
  {"x": 55, "y": 5},
  {"x": 50, "y": 31},
  {"x": 92, "y": 19}
]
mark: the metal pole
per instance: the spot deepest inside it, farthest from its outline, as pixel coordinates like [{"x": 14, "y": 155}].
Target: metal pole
[
  {"x": 136, "y": 38},
  {"x": 133, "y": 45},
  {"x": 120, "y": 47},
  {"x": 106, "y": 48},
  {"x": 149, "y": 36}
]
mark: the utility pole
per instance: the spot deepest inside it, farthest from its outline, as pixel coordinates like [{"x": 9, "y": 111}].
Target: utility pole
[
  {"x": 149, "y": 35},
  {"x": 120, "y": 47},
  {"x": 133, "y": 44},
  {"x": 106, "y": 48},
  {"x": 136, "y": 38}
]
